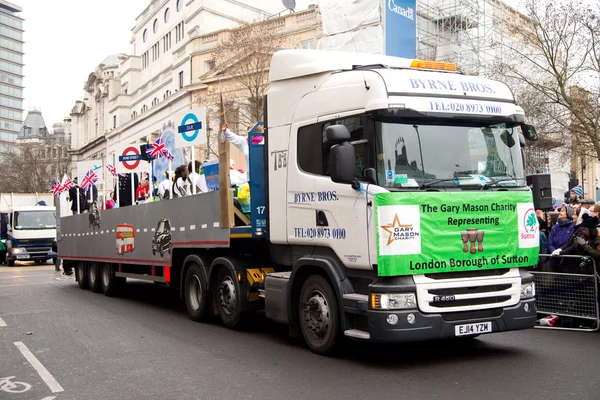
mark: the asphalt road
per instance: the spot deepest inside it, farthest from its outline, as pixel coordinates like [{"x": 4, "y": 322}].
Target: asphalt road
[{"x": 142, "y": 346}]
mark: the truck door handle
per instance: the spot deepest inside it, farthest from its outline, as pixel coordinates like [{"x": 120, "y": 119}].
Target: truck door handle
[{"x": 321, "y": 218}]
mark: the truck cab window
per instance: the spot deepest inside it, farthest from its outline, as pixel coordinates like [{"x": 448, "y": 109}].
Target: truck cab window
[{"x": 313, "y": 149}]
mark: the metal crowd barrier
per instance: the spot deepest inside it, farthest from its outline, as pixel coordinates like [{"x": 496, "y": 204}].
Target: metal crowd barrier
[{"x": 567, "y": 287}]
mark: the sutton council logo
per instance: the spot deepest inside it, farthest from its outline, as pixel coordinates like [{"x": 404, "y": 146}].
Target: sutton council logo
[
  {"x": 398, "y": 231},
  {"x": 529, "y": 224}
]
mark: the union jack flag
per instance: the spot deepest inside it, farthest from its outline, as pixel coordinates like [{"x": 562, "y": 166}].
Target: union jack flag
[
  {"x": 113, "y": 170},
  {"x": 157, "y": 149},
  {"x": 67, "y": 184},
  {"x": 89, "y": 180},
  {"x": 168, "y": 154},
  {"x": 56, "y": 187}
]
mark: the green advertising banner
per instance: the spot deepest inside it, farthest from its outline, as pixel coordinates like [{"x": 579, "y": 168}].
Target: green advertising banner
[{"x": 430, "y": 232}]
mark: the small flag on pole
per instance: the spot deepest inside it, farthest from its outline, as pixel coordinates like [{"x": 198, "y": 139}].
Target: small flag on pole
[{"x": 89, "y": 180}]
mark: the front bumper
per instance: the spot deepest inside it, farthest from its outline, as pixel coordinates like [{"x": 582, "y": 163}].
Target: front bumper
[
  {"x": 28, "y": 256},
  {"x": 438, "y": 326}
]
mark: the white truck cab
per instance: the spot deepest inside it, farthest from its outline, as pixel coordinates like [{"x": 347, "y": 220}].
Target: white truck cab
[
  {"x": 386, "y": 174},
  {"x": 31, "y": 233}
]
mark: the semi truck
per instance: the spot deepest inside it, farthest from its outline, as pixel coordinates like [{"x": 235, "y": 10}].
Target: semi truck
[{"x": 388, "y": 204}]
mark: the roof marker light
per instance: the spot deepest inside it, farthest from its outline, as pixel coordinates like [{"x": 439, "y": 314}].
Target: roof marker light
[{"x": 443, "y": 66}]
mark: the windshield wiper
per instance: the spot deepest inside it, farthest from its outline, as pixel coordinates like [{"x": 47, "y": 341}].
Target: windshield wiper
[
  {"x": 488, "y": 185},
  {"x": 425, "y": 185}
]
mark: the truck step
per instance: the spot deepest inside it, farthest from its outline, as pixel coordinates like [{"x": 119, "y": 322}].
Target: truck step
[
  {"x": 261, "y": 293},
  {"x": 356, "y": 301},
  {"x": 356, "y": 297},
  {"x": 355, "y": 333}
]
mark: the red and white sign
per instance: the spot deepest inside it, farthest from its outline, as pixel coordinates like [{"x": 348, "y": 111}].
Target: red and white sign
[{"x": 129, "y": 159}]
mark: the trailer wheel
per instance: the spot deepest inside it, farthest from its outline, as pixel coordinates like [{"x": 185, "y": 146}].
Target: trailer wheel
[
  {"x": 195, "y": 293},
  {"x": 319, "y": 315},
  {"x": 81, "y": 275},
  {"x": 110, "y": 283},
  {"x": 93, "y": 272},
  {"x": 228, "y": 300}
]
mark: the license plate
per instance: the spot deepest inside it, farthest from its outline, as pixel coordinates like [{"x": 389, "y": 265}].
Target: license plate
[
  {"x": 472, "y": 329},
  {"x": 22, "y": 257}
]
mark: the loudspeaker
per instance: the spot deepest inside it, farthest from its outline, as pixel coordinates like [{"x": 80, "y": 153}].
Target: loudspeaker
[
  {"x": 143, "y": 149},
  {"x": 542, "y": 191},
  {"x": 573, "y": 182}
]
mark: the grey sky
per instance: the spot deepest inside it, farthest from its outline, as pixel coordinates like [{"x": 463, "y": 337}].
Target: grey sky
[{"x": 65, "y": 40}]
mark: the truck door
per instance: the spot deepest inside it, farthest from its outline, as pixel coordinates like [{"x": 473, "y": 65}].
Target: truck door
[{"x": 339, "y": 215}]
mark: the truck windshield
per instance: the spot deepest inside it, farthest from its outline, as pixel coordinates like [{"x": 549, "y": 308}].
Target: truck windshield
[
  {"x": 35, "y": 220},
  {"x": 413, "y": 155}
]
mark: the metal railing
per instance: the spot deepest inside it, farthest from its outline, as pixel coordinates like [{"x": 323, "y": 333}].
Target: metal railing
[{"x": 567, "y": 287}]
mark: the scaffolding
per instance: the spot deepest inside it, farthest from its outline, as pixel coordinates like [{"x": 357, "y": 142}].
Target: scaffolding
[{"x": 467, "y": 32}]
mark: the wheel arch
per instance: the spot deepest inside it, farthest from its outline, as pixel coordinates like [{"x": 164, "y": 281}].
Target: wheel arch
[{"x": 327, "y": 267}]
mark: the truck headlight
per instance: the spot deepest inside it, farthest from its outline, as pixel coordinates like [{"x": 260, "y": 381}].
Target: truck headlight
[
  {"x": 17, "y": 250},
  {"x": 393, "y": 301},
  {"x": 527, "y": 290}
]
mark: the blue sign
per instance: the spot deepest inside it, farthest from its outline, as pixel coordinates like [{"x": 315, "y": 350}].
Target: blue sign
[
  {"x": 195, "y": 127},
  {"x": 130, "y": 157},
  {"x": 400, "y": 27}
]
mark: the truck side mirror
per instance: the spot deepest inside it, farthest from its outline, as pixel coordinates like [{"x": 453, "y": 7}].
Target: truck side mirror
[
  {"x": 337, "y": 134},
  {"x": 529, "y": 132},
  {"x": 342, "y": 162}
]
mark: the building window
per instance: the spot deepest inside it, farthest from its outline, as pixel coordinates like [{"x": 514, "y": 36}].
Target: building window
[
  {"x": 179, "y": 32},
  {"x": 181, "y": 80},
  {"x": 145, "y": 35},
  {"x": 167, "y": 42},
  {"x": 144, "y": 108},
  {"x": 179, "y": 5},
  {"x": 114, "y": 121},
  {"x": 155, "y": 51},
  {"x": 313, "y": 148},
  {"x": 208, "y": 66},
  {"x": 133, "y": 114},
  {"x": 167, "y": 15},
  {"x": 307, "y": 44},
  {"x": 145, "y": 60},
  {"x": 167, "y": 94},
  {"x": 155, "y": 25},
  {"x": 154, "y": 102}
]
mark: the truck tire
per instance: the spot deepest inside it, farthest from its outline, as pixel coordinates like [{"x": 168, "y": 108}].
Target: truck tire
[
  {"x": 319, "y": 315},
  {"x": 93, "y": 273},
  {"x": 110, "y": 283},
  {"x": 195, "y": 294},
  {"x": 81, "y": 275},
  {"x": 227, "y": 296}
]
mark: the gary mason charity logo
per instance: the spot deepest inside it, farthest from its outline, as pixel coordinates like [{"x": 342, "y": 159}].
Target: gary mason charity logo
[
  {"x": 407, "y": 12},
  {"x": 400, "y": 230}
]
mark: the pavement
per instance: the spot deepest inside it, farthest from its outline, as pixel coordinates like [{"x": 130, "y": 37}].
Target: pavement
[{"x": 60, "y": 342}]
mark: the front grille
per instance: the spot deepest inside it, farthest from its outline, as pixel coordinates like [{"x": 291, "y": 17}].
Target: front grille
[
  {"x": 41, "y": 242},
  {"x": 468, "y": 274},
  {"x": 38, "y": 249},
  {"x": 470, "y": 315},
  {"x": 470, "y": 302},
  {"x": 469, "y": 290}
]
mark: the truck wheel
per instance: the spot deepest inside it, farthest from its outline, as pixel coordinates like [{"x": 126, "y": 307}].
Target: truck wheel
[
  {"x": 93, "y": 273},
  {"x": 81, "y": 275},
  {"x": 110, "y": 283},
  {"x": 319, "y": 315},
  {"x": 228, "y": 300},
  {"x": 196, "y": 298}
]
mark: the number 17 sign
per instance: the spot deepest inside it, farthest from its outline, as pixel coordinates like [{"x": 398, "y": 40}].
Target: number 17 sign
[{"x": 191, "y": 127}]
